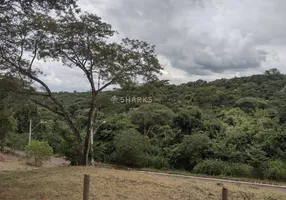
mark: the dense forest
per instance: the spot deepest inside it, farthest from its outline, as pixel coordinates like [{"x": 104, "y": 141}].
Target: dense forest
[{"x": 234, "y": 127}]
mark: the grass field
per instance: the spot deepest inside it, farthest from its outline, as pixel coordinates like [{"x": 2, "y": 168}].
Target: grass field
[
  {"x": 9, "y": 162},
  {"x": 65, "y": 183}
]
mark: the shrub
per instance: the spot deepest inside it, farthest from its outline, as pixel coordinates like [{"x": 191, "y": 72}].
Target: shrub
[
  {"x": 39, "y": 151},
  {"x": 129, "y": 148},
  {"x": 101, "y": 151},
  {"x": 69, "y": 147},
  {"x": 195, "y": 148},
  {"x": 275, "y": 170},
  {"x": 238, "y": 170},
  {"x": 218, "y": 167},
  {"x": 210, "y": 167},
  {"x": 157, "y": 162},
  {"x": 258, "y": 171},
  {"x": 16, "y": 141},
  {"x": 71, "y": 153}
]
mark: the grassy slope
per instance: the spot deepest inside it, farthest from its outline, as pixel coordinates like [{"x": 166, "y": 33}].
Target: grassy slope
[
  {"x": 65, "y": 183},
  {"x": 11, "y": 162}
]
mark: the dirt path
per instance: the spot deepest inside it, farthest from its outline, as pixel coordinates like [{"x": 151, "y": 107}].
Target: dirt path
[{"x": 239, "y": 183}]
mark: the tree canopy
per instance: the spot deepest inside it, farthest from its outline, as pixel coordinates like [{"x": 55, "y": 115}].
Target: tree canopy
[{"x": 77, "y": 40}]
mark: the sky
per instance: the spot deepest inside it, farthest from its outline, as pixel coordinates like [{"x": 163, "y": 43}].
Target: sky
[{"x": 195, "y": 39}]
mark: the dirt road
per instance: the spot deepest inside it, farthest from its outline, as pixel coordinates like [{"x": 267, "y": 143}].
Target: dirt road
[{"x": 280, "y": 188}]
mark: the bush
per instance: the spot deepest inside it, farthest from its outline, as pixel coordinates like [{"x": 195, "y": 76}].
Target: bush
[
  {"x": 210, "y": 167},
  {"x": 39, "y": 151},
  {"x": 218, "y": 167},
  {"x": 16, "y": 141},
  {"x": 130, "y": 148},
  {"x": 275, "y": 170},
  {"x": 258, "y": 171},
  {"x": 157, "y": 162},
  {"x": 238, "y": 170},
  {"x": 101, "y": 151},
  {"x": 69, "y": 147},
  {"x": 195, "y": 148}
]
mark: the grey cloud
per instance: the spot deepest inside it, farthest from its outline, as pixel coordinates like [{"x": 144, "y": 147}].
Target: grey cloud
[{"x": 211, "y": 37}]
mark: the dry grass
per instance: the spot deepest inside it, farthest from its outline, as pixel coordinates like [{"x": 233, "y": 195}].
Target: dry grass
[
  {"x": 65, "y": 183},
  {"x": 9, "y": 162}
]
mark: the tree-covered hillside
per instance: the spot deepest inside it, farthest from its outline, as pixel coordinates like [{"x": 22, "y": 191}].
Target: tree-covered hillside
[
  {"x": 229, "y": 126},
  {"x": 264, "y": 91}
]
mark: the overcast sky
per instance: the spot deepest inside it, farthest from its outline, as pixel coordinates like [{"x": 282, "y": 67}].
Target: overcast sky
[{"x": 195, "y": 39}]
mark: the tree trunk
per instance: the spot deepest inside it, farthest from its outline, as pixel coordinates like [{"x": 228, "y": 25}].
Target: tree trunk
[
  {"x": 82, "y": 161},
  {"x": 2, "y": 145},
  {"x": 85, "y": 157},
  {"x": 2, "y": 141}
]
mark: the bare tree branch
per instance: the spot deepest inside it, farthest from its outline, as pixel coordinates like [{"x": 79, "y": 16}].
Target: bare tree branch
[
  {"x": 105, "y": 85},
  {"x": 34, "y": 57},
  {"x": 31, "y": 93},
  {"x": 37, "y": 94},
  {"x": 22, "y": 51},
  {"x": 119, "y": 75}
]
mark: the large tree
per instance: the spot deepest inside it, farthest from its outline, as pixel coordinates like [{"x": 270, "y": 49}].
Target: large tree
[
  {"x": 78, "y": 40},
  {"x": 150, "y": 117}
]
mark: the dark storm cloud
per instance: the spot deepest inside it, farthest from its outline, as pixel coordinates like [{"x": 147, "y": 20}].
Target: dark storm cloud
[
  {"x": 195, "y": 39},
  {"x": 202, "y": 36}
]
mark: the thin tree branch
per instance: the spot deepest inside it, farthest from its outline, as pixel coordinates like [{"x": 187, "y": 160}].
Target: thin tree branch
[
  {"x": 115, "y": 78},
  {"x": 37, "y": 94},
  {"x": 34, "y": 57},
  {"x": 22, "y": 51},
  {"x": 76, "y": 63},
  {"x": 104, "y": 86},
  {"x": 31, "y": 93}
]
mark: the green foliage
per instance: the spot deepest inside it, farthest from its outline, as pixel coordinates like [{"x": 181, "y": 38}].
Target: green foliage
[
  {"x": 189, "y": 120},
  {"x": 195, "y": 148},
  {"x": 149, "y": 116},
  {"x": 239, "y": 120},
  {"x": 130, "y": 148},
  {"x": 68, "y": 148},
  {"x": 39, "y": 151},
  {"x": 24, "y": 114},
  {"x": 16, "y": 141},
  {"x": 78, "y": 40},
  {"x": 210, "y": 167},
  {"x": 105, "y": 133},
  {"x": 275, "y": 170},
  {"x": 102, "y": 151},
  {"x": 157, "y": 162},
  {"x": 239, "y": 123},
  {"x": 208, "y": 96},
  {"x": 7, "y": 126},
  {"x": 218, "y": 167},
  {"x": 238, "y": 170},
  {"x": 33, "y": 5},
  {"x": 249, "y": 104}
]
